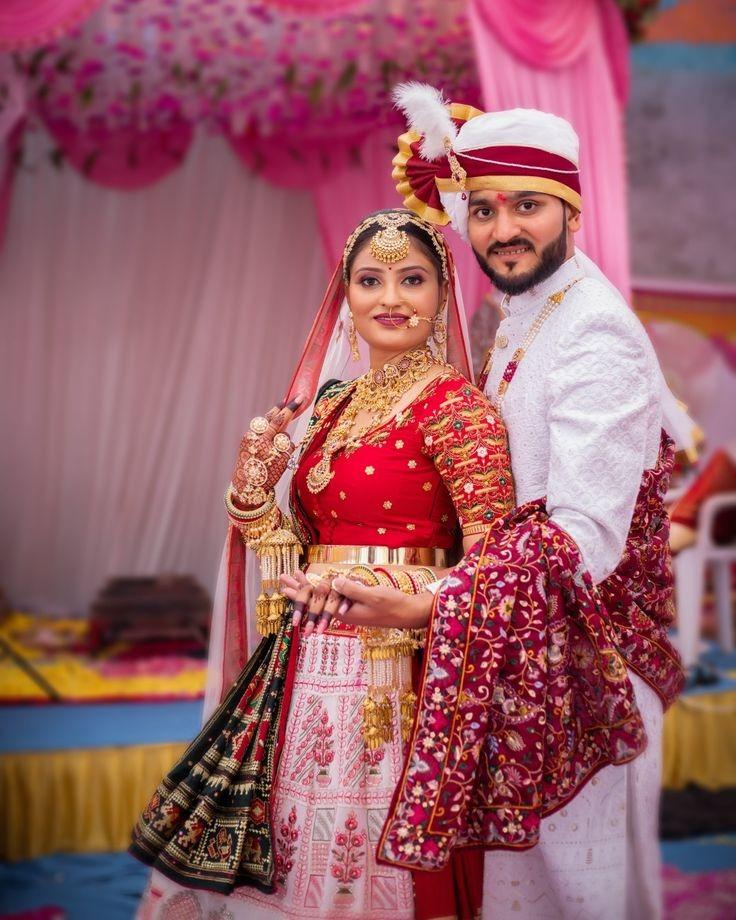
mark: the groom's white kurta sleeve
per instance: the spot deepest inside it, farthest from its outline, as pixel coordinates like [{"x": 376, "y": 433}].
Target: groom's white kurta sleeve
[{"x": 602, "y": 396}]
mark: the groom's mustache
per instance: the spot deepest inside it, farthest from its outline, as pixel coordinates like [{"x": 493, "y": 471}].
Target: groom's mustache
[{"x": 516, "y": 241}]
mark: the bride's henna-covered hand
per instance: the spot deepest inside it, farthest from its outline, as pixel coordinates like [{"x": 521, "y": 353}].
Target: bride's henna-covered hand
[
  {"x": 263, "y": 455},
  {"x": 318, "y": 602}
]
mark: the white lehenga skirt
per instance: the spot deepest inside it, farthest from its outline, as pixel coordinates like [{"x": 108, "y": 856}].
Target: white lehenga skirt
[{"x": 331, "y": 799}]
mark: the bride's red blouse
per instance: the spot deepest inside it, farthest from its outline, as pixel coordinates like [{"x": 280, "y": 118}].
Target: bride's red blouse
[{"x": 444, "y": 461}]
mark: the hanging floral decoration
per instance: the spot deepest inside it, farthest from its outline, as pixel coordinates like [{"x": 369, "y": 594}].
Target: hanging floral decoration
[
  {"x": 122, "y": 91},
  {"x": 255, "y": 71}
]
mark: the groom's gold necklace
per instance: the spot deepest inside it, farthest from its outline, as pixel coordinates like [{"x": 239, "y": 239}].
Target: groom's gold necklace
[
  {"x": 551, "y": 304},
  {"x": 375, "y": 393}
]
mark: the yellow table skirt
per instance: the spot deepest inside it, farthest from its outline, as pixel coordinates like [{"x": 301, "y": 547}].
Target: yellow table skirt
[
  {"x": 86, "y": 801},
  {"x": 700, "y": 741},
  {"x": 77, "y": 801}
]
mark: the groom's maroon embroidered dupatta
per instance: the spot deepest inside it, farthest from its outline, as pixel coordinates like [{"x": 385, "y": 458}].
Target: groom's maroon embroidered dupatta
[{"x": 525, "y": 693}]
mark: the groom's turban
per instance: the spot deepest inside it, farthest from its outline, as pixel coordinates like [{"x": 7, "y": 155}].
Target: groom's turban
[{"x": 452, "y": 150}]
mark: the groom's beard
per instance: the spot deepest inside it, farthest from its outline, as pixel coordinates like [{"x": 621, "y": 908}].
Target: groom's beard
[{"x": 553, "y": 255}]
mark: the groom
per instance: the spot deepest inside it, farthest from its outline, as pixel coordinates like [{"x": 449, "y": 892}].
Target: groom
[{"x": 578, "y": 386}]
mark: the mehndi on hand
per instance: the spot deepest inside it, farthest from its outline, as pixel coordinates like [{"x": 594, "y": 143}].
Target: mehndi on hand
[{"x": 264, "y": 452}]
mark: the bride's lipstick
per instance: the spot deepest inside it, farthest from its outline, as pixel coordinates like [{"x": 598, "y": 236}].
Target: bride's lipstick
[{"x": 393, "y": 319}]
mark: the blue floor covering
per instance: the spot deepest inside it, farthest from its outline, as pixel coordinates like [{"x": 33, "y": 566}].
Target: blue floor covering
[
  {"x": 107, "y": 886},
  {"x": 61, "y": 727},
  {"x": 104, "y": 886},
  {"x": 701, "y": 854}
]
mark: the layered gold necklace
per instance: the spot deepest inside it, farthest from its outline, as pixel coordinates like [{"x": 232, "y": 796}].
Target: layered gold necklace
[{"x": 375, "y": 393}]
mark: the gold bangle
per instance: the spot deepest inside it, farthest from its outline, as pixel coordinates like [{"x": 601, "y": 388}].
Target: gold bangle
[
  {"x": 472, "y": 530},
  {"x": 365, "y": 575},
  {"x": 404, "y": 581},
  {"x": 252, "y": 514},
  {"x": 255, "y": 530}
]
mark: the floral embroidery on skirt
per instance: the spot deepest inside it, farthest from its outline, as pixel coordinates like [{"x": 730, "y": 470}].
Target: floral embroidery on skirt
[{"x": 330, "y": 802}]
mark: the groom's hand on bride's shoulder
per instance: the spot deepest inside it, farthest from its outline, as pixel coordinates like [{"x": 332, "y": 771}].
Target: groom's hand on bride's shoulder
[{"x": 381, "y": 606}]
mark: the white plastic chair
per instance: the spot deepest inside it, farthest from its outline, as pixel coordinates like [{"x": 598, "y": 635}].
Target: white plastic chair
[{"x": 690, "y": 566}]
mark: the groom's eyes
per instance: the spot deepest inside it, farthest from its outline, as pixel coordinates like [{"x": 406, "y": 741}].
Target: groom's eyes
[{"x": 526, "y": 206}]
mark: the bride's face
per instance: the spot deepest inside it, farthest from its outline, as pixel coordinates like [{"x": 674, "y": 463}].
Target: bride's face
[{"x": 393, "y": 306}]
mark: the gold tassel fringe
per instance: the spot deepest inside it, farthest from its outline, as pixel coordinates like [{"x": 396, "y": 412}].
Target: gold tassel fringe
[
  {"x": 377, "y": 721},
  {"x": 406, "y": 710},
  {"x": 278, "y": 553}
]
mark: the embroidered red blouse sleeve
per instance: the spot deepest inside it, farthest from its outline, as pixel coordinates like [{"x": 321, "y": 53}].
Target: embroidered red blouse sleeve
[{"x": 467, "y": 441}]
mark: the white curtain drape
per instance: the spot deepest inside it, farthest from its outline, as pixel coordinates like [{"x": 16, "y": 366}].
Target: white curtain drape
[{"x": 139, "y": 334}]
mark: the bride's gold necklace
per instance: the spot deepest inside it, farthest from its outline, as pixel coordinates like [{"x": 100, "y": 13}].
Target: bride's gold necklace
[{"x": 375, "y": 394}]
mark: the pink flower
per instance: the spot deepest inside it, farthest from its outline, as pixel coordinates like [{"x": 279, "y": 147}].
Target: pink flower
[
  {"x": 417, "y": 814},
  {"x": 431, "y": 849},
  {"x": 438, "y": 721},
  {"x": 132, "y": 51}
]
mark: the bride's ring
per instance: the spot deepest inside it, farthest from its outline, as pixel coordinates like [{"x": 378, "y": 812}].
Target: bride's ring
[
  {"x": 282, "y": 442},
  {"x": 259, "y": 425}
]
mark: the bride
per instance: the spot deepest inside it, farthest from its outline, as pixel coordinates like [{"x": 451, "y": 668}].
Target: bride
[{"x": 276, "y": 808}]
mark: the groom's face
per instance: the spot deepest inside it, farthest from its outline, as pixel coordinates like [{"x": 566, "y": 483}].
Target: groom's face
[{"x": 520, "y": 238}]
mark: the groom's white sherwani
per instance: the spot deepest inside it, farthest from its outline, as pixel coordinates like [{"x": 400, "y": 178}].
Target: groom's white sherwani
[{"x": 583, "y": 414}]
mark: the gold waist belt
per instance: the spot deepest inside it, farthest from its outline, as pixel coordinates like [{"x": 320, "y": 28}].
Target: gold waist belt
[
  {"x": 378, "y": 555},
  {"x": 387, "y": 652}
]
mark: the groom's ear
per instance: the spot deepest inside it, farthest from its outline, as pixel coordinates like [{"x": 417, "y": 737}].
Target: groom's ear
[{"x": 573, "y": 218}]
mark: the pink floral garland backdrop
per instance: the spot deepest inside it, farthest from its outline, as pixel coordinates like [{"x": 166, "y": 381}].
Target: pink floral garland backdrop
[{"x": 286, "y": 82}]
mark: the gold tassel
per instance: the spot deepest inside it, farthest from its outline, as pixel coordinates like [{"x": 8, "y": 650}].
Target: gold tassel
[
  {"x": 278, "y": 553},
  {"x": 406, "y": 709},
  {"x": 262, "y": 614},
  {"x": 382, "y": 644},
  {"x": 377, "y": 722},
  {"x": 277, "y": 607}
]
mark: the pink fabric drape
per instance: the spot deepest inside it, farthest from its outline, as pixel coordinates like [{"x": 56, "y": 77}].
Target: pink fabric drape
[
  {"x": 345, "y": 197},
  {"x": 545, "y": 34},
  {"x": 551, "y": 34},
  {"x": 12, "y": 119},
  {"x": 569, "y": 58},
  {"x": 140, "y": 333},
  {"x": 24, "y": 24}
]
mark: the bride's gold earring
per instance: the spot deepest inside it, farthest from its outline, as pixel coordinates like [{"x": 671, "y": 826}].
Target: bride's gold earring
[
  {"x": 353, "y": 339},
  {"x": 439, "y": 328}
]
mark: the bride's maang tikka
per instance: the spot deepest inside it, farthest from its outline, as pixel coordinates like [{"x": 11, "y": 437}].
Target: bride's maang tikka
[{"x": 390, "y": 243}]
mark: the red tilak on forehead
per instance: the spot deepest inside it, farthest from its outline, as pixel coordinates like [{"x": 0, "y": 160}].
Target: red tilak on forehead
[{"x": 501, "y": 197}]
